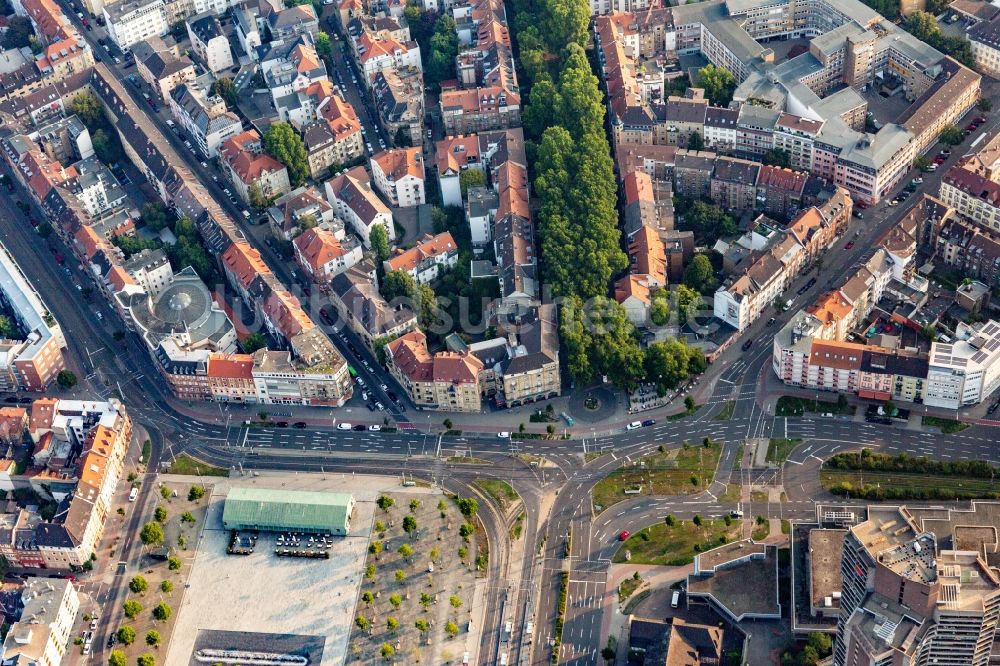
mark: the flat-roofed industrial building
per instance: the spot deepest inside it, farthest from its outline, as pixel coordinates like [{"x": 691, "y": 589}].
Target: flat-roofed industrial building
[{"x": 271, "y": 510}]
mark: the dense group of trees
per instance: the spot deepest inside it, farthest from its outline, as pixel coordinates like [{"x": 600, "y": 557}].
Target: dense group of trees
[
  {"x": 718, "y": 83},
  {"x": 869, "y": 460},
  {"x": 708, "y": 221},
  {"x": 443, "y": 50},
  {"x": 399, "y": 284},
  {"x": 20, "y": 33},
  {"x": 187, "y": 251},
  {"x": 284, "y": 144},
  {"x": 226, "y": 89},
  {"x": 90, "y": 110},
  {"x": 575, "y": 183},
  {"x": 924, "y": 27}
]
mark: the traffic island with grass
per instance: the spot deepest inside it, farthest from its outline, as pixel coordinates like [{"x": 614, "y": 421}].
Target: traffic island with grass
[
  {"x": 682, "y": 471},
  {"x": 778, "y": 449},
  {"x": 876, "y": 476},
  {"x": 500, "y": 491},
  {"x": 676, "y": 544},
  {"x": 185, "y": 464},
  {"x": 792, "y": 406},
  {"x": 946, "y": 426}
]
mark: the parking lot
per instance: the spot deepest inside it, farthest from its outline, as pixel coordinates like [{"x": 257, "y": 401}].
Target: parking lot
[{"x": 261, "y": 593}]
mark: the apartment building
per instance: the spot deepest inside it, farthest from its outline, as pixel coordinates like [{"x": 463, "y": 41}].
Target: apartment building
[
  {"x": 354, "y": 201},
  {"x": 399, "y": 175},
  {"x": 134, "y": 21},
  {"x": 33, "y": 360},
  {"x": 322, "y": 255},
  {"x": 204, "y": 117},
  {"x": 358, "y": 303},
  {"x": 429, "y": 259},
  {"x": 150, "y": 269},
  {"x": 453, "y": 155},
  {"x": 249, "y": 168},
  {"x": 480, "y": 110},
  {"x": 162, "y": 70},
  {"x": 446, "y": 381},
  {"x": 972, "y": 195},
  {"x": 209, "y": 42},
  {"x": 984, "y": 38},
  {"x": 41, "y": 634},
  {"x": 301, "y": 208},
  {"x": 734, "y": 184},
  {"x": 744, "y": 296},
  {"x": 399, "y": 102},
  {"x": 335, "y": 138},
  {"x": 969, "y": 249}
]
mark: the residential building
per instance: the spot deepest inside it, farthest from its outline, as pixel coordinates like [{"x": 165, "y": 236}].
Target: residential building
[
  {"x": 965, "y": 371},
  {"x": 375, "y": 52},
  {"x": 354, "y": 201},
  {"x": 290, "y": 68},
  {"x": 453, "y": 155},
  {"x": 133, "y": 21},
  {"x": 209, "y": 42},
  {"x": 399, "y": 102},
  {"x": 480, "y": 109},
  {"x": 734, "y": 184},
  {"x": 289, "y": 23},
  {"x": 298, "y": 210},
  {"x": 399, "y": 175},
  {"x": 361, "y": 307},
  {"x": 150, "y": 269},
  {"x": 33, "y": 360},
  {"x": 744, "y": 296},
  {"x": 335, "y": 138},
  {"x": 426, "y": 261},
  {"x": 984, "y": 38},
  {"x": 204, "y": 117},
  {"x": 321, "y": 254},
  {"x": 163, "y": 70},
  {"x": 48, "y": 612},
  {"x": 780, "y": 191},
  {"x": 446, "y": 381},
  {"x": 250, "y": 169}
]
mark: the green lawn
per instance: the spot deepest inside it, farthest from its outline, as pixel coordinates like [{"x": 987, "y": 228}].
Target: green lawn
[
  {"x": 791, "y": 406},
  {"x": 760, "y": 532},
  {"x": 726, "y": 413},
  {"x": 185, "y": 464},
  {"x": 675, "y": 546},
  {"x": 947, "y": 426},
  {"x": 627, "y": 587},
  {"x": 501, "y": 491},
  {"x": 779, "y": 448},
  {"x": 674, "y": 472}
]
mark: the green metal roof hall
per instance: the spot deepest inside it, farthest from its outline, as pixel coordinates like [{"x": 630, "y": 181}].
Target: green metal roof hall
[{"x": 292, "y": 510}]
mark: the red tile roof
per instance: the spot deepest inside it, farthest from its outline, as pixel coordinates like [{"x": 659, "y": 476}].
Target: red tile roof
[{"x": 427, "y": 249}]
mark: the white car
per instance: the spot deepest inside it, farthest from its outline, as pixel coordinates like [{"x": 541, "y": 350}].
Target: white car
[
  {"x": 344, "y": 426},
  {"x": 503, "y": 435},
  {"x": 635, "y": 425},
  {"x": 374, "y": 428}
]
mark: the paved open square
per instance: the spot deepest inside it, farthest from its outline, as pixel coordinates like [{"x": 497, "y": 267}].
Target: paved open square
[{"x": 264, "y": 594}]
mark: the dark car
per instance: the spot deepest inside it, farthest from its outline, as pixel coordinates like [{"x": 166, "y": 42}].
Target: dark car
[
  {"x": 24, "y": 401},
  {"x": 770, "y": 322},
  {"x": 392, "y": 396},
  {"x": 648, "y": 422},
  {"x": 811, "y": 282},
  {"x": 282, "y": 424},
  {"x": 358, "y": 427},
  {"x": 300, "y": 424},
  {"x": 10, "y": 399},
  {"x": 748, "y": 344}
]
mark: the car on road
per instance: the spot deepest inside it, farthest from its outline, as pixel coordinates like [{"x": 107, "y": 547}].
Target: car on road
[
  {"x": 770, "y": 322},
  {"x": 343, "y": 426},
  {"x": 635, "y": 425},
  {"x": 503, "y": 435},
  {"x": 300, "y": 424},
  {"x": 358, "y": 427},
  {"x": 379, "y": 406},
  {"x": 892, "y": 203},
  {"x": 849, "y": 246},
  {"x": 624, "y": 535},
  {"x": 282, "y": 424},
  {"x": 648, "y": 422},
  {"x": 917, "y": 181},
  {"x": 747, "y": 345},
  {"x": 374, "y": 428},
  {"x": 10, "y": 399},
  {"x": 370, "y": 406},
  {"x": 811, "y": 282}
]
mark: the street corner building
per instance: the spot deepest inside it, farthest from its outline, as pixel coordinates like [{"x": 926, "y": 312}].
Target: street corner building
[{"x": 271, "y": 510}]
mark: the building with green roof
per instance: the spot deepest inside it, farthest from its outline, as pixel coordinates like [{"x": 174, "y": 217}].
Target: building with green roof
[{"x": 270, "y": 510}]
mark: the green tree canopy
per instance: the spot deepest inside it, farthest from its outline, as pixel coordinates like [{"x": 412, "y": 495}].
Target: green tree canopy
[
  {"x": 470, "y": 178},
  {"x": 699, "y": 275},
  {"x": 162, "y": 611},
  {"x": 284, "y": 144},
  {"x": 151, "y": 533},
  {"x": 226, "y": 89},
  {"x": 695, "y": 142},
  {"x": 253, "y": 342},
  {"x": 126, "y": 635},
  {"x": 718, "y": 84},
  {"x": 379, "y": 239},
  {"x": 66, "y": 379},
  {"x": 443, "y": 50},
  {"x": 117, "y": 658}
]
